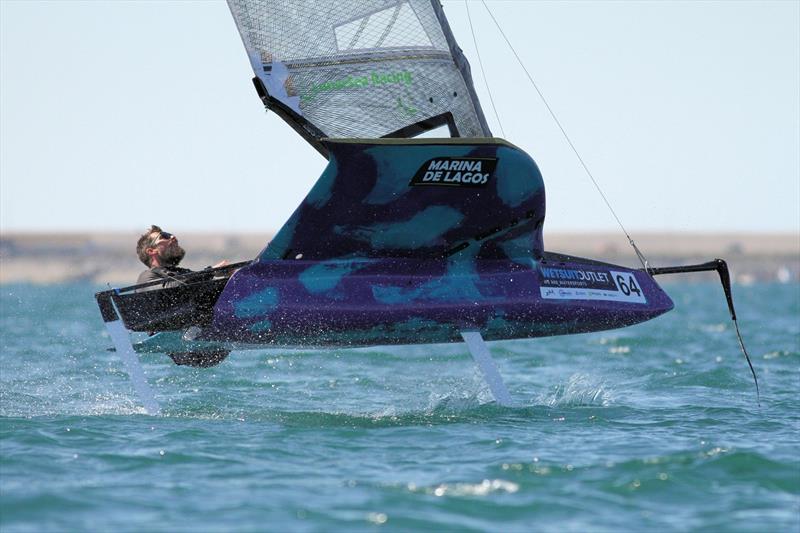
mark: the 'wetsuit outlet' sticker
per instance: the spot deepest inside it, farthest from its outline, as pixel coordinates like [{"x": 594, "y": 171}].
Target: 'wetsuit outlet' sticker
[{"x": 581, "y": 284}]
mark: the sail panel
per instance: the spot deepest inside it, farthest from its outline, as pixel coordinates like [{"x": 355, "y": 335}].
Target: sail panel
[{"x": 359, "y": 69}]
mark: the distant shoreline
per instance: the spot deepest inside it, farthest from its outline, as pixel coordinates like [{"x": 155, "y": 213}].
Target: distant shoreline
[{"x": 109, "y": 257}]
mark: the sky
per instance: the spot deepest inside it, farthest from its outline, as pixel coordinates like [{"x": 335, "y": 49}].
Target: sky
[{"x": 118, "y": 115}]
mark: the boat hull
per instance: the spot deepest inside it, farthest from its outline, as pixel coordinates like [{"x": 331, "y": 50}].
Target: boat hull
[{"x": 376, "y": 302}]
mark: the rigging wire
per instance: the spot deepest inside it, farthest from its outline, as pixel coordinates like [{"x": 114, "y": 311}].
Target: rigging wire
[
  {"x": 639, "y": 254},
  {"x": 719, "y": 265},
  {"x": 483, "y": 72}
]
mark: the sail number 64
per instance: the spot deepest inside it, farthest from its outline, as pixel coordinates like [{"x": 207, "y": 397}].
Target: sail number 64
[
  {"x": 627, "y": 287},
  {"x": 626, "y": 283}
]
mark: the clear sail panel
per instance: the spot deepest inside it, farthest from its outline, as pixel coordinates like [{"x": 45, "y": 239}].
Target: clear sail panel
[{"x": 356, "y": 68}]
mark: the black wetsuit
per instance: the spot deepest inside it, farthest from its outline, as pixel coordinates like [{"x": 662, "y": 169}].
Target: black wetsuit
[{"x": 167, "y": 273}]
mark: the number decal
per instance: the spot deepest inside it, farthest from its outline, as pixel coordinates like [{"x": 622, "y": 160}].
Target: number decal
[{"x": 628, "y": 287}]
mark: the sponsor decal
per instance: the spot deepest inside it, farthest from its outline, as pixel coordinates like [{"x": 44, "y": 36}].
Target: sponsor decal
[
  {"x": 573, "y": 277},
  {"x": 589, "y": 284},
  {"x": 372, "y": 79},
  {"x": 409, "y": 110},
  {"x": 455, "y": 172}
]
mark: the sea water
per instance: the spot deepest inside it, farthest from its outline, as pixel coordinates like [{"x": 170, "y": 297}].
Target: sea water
[{"x": 650, "y": 428}]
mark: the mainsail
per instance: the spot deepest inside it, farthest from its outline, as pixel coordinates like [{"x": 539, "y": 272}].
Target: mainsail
[{"x": 359, "y": 69}]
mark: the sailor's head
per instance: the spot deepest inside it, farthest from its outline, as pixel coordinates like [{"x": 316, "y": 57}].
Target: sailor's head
[{"x": 159, "y": 248}]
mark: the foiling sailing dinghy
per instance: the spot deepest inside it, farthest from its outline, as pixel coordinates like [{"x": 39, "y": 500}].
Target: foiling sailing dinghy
[{"x": 402, "y": 240}]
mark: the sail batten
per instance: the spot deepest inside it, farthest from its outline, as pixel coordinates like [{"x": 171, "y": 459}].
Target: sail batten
[{"x": 358, "y": 69}]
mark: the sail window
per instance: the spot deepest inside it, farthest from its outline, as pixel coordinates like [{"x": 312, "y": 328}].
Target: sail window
[
  {"x": 392, "y": 27},
  {"x": 439, "y": 132}
]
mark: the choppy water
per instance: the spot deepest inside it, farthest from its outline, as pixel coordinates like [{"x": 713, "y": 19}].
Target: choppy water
[{"x": 653, "y": 428}]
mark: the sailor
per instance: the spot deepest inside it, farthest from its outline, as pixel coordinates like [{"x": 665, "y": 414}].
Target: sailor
[{"x": 160, "y": 252}]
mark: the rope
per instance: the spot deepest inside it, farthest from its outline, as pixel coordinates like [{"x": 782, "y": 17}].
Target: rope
[
  {"x": 483, "y": 73},
  {"x": 639, "y": 254}
]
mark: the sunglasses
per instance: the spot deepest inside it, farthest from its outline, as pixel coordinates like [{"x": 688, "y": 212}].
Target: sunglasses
[{"x": 165, "y": 235}]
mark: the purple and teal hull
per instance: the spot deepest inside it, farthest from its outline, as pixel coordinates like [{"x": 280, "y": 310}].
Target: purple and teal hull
[{"x": 374, "y": 302}]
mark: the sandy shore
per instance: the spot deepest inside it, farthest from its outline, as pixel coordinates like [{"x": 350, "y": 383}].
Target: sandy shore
[{"x": 110, "y": 257}]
